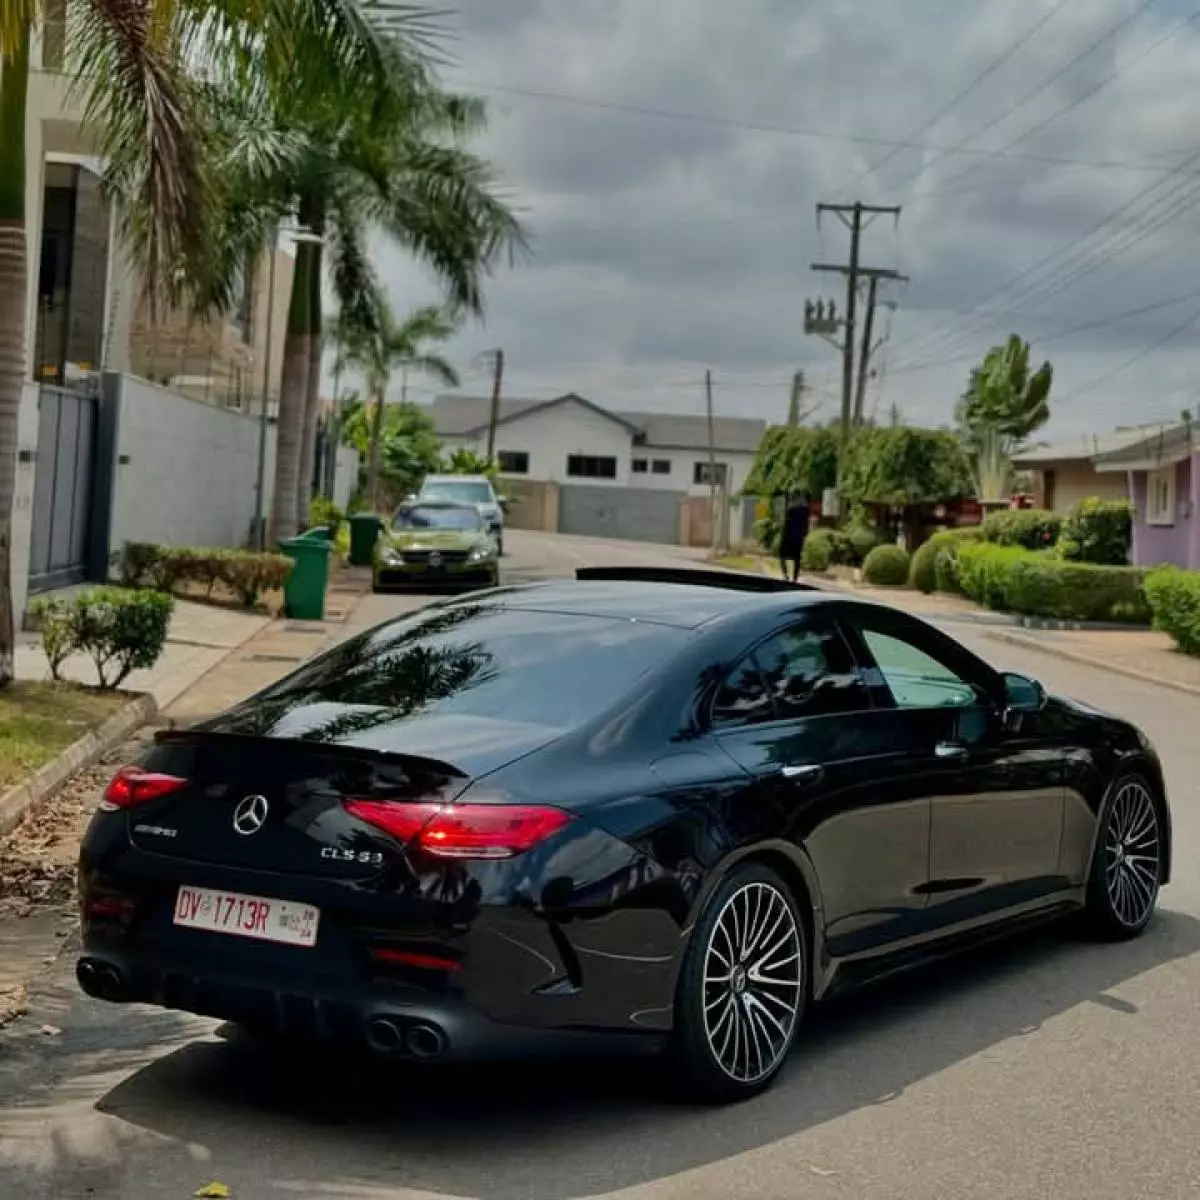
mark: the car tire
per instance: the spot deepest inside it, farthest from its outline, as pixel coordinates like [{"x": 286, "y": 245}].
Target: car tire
[
  {"x": 735, "y": 1023},
  {"x": 1127, "y": 862}
]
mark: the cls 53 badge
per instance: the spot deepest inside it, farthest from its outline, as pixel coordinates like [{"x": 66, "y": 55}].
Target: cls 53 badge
[{"x": 370, "y": 858}]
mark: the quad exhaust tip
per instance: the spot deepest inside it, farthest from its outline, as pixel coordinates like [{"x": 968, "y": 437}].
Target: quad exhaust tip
[
  {"x": 100, "y": 979},
  {"x": 418, "y": 1040}
]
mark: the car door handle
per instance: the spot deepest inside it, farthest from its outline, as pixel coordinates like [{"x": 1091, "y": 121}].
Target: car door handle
[
  {"x": 801, "y": 772},
  {"x": 949, "y": 750}
]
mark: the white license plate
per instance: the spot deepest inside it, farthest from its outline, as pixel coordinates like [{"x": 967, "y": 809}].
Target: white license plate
[{"x": 258, "y": 917}]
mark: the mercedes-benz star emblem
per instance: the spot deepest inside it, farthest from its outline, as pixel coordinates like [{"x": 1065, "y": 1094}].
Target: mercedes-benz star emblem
[
  {"x": 250, "y": 815},
  {"x": 435, "y": 559}
]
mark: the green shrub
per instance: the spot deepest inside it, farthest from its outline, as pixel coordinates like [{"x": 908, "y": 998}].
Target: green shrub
[
  {"x": 886, "y": 566},
  {"x": 1174, "y": 598},
  {"x": 121, "y": 629},
  {"x": 1014, "y": 580},
  {"x": 326, "y": 512},
  {"x": 1097, "y": 531},
  {"x": 1032, "y": 528},
  {"x": 923, "y": 571},
  {"x": 859, "y": 541},
  {"x": 249, "y": 575},
  {"x": 818, "y": 550},
  {"x": 246, "y": 573},
  {"x": 767, "y": 531}
]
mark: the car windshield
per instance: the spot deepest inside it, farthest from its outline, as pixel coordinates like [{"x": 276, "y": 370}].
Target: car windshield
[
  {"x": 482, "y": 660},
  {"x": 435, "y": 516},
  {"x": 466, "y": 491}
]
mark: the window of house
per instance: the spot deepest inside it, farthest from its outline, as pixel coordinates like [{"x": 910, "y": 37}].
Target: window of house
[
  {"x": 702, "y": 474},
  {"x": 661, "y": 466},
  {"x": 1160, "y": 496},
  {"x": 514, "y": 462},
  {"x": 638, "y": 466},
  {"x": 591, "y": 466}
]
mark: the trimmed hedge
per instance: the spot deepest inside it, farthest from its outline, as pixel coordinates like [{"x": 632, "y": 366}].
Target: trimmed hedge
[
  {"x": 1032, "y": 528},
  {"x": 121, "y": 630},
  {"x": 886, "y": 566},
  {"x": 246, "y": 573},
  {"x": 923, "y": 571},
  {"x": 1174, "y": 598},
  {"x": 1098, "y": 531},
  {"x": 1037, "y": 585},
  {"x": 819, "y": 550}
]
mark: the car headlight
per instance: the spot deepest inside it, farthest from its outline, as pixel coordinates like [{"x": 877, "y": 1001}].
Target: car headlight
[
  {"x": 393, "y": 558},
  {"x": 480, "y": 554}
]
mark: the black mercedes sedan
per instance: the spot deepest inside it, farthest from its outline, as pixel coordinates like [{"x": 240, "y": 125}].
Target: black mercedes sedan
[{"x": 669, "y": 809}]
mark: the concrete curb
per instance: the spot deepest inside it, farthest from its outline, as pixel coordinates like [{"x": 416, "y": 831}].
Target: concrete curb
[
  {"x": 17, "y": 801},
  {"x": 1089, "y": 660}
]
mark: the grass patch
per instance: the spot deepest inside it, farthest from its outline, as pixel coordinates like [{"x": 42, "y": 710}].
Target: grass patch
[
  {"x": 739, "y": 562},
  {"x": 40, "y": 720}
]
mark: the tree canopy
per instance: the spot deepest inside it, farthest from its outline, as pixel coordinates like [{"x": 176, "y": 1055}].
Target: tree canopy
[
  {"x": 794, "y": 459},
  {"x": 902, "y": 466},
  {"x": 1003, "y": 395}
]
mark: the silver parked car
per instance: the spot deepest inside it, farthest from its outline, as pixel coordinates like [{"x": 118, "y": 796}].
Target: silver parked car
[{"x": 468, "y": 489}]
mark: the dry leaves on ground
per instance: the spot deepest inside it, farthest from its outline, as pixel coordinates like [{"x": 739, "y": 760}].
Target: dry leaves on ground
[{"x": 37, "y": 860}]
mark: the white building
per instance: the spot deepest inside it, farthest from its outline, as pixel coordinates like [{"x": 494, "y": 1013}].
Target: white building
[{"x": 571, "y": 440}]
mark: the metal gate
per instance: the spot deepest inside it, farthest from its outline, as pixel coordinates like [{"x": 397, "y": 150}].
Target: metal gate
[
  {"x": 638, "y": 514},
  {"x": 63, "y": 482}
]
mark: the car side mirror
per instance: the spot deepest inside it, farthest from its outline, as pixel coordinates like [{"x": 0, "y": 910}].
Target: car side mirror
[{"x": 1021, "y": 695}]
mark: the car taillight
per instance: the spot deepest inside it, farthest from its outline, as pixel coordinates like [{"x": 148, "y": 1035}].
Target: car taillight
[
  {"x": 463, "y": 830},
  {"x": 132, "y": 785}
]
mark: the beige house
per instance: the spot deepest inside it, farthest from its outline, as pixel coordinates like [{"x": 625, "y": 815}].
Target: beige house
[{"x": 1064, "y": 472}]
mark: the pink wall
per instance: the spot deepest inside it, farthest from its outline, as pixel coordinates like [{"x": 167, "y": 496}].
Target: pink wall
[{"x": 1178, "y": 543}]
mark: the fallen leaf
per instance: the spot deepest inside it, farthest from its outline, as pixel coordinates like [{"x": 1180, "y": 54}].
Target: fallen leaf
[
  {"x": 51, "y": 1030},
  {"x": 213, "y": 1191},
  {"x": 820, "y": 1171}
]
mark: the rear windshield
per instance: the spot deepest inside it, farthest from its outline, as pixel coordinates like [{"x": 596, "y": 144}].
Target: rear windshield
[
  {"x": 430, "y": 516},
  {"x": 479, "y": 659},
  {"x": 465, "y": 491}
]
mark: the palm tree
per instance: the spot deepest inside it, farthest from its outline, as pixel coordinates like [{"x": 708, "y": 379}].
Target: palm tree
[
  {"x": 138, "y": 67},
  {"x": 394, "y": 161},
  {"x": 399, "y": 344}
]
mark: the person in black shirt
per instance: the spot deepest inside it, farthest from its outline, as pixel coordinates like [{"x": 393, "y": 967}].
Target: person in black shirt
[{"x": 795, "y": 531}]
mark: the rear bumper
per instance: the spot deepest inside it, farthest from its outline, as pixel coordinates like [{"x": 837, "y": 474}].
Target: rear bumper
[{"x": 398, "y": 1020}]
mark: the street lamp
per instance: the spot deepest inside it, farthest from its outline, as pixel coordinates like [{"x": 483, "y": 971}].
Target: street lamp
[{"x": 298, "y": 234}]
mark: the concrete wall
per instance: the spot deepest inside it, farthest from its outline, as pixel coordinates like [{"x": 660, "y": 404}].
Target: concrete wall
[
  {"x": 186, "y": 470},
  {"x": 638, "y": 514},
  {"x": 1060, "y": 486},
  {"x": 533, "y": 504}
]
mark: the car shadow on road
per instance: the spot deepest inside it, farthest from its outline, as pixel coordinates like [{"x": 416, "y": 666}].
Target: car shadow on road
[{"x": 568, "y": 1129}]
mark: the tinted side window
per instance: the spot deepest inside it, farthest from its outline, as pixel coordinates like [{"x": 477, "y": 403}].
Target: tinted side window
[
  {"x": 743, "y": 697},
  {"x": 809, "y": 672},
  {"x": 916, "y": 679}
]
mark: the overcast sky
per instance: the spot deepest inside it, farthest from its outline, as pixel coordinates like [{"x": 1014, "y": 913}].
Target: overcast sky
[{"x": 668, "y": 156}]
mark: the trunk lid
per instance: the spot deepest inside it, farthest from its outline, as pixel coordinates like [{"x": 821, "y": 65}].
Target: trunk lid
[{"x": 274, "y": 803}]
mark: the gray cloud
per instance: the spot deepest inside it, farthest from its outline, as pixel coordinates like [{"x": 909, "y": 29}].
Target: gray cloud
[{"x": 667, "y": 245}]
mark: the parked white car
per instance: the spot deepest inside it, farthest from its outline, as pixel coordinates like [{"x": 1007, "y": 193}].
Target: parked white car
[{"x": 468, "y": 489}]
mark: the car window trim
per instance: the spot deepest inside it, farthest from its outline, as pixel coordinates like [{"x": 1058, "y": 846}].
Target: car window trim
[
  {"x": 854, "y": 621},
  {"x": 807, "y": 621}
]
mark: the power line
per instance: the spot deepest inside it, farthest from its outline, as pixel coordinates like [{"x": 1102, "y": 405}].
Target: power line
[
  {"x": 1111, "y": 32},
  {"x": 962, "y": 93},
  {"x": 1174, "y": 31},
  {"x": 817, "y": 134}
]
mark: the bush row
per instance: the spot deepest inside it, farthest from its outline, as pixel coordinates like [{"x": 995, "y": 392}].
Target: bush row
[
  {"x": 846, "y": 547},
  {"x": 1095, "y": 531},
  {"x": 1174, "y": 598},
  {"x": 923, "y": 574},
  {"x": 120, "y": 630},
  {"x": 1016, "y": 580},
  {"x": 246, "y": 573}
]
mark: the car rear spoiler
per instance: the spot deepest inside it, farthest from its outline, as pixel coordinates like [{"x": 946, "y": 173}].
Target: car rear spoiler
[{"x": 737, "y": 581}]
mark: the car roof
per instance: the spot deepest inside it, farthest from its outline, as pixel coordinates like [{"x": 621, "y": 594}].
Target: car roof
[
  {"x": 684, "y": 605},
  {"x": 456, "y": 479}
]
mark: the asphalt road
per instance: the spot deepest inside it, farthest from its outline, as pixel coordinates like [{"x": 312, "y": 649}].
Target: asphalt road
[{"x": 1048, "y": 1068}]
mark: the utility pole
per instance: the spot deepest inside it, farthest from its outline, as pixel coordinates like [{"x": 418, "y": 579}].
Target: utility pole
[
  {"x": 798, "y": 390},
  {"x": 712, "y": 459},
  {"x": 852, "y": 216},
  {"x": 864, "y": 355},
  {"x": 497, "y": 382}
]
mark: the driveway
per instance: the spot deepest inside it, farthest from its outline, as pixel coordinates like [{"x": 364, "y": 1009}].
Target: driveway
[{"x": 1044, "y": 1068}]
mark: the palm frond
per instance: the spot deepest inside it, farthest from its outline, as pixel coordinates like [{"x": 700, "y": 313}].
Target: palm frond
[{"x": 436, "y": 366}]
